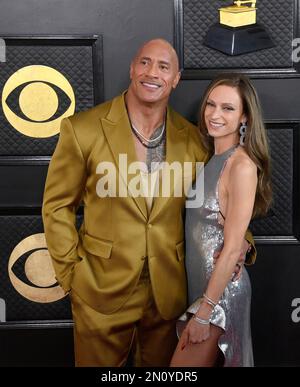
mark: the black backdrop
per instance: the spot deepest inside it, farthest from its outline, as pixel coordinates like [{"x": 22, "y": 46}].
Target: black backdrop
[{"x": 35, "y": 336}]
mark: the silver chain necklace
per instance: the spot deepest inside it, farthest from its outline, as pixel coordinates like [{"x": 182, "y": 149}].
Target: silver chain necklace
[{"x": 145, "y": 138}]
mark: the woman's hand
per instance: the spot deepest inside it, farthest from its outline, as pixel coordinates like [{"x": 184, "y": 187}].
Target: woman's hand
[
  {"x": 198, "y": 328},
  {"x": 195, "y": 333}
]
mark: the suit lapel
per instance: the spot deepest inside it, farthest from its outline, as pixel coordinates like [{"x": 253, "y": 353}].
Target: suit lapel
[
  {"x": 116, "y": 127},
  {"x": 176, "y": 148}
]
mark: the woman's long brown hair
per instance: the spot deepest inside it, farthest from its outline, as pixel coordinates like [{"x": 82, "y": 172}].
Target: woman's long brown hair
[{"x": 256, "y": 144}]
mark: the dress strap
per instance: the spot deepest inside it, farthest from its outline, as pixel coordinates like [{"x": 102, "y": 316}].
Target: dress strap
[
  {"x": 227, "y": 155},
  {"x": 221, "y": 212}
]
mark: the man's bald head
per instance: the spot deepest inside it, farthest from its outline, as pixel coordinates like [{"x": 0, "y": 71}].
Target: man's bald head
[
  {"x": 154, "y": 73},
  {"x": 162, "y": 43}
]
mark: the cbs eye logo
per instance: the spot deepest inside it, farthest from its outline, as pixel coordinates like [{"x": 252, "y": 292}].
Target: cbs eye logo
[
  {"x": 38, "y": 283},
  {"x": 33, "y": 92}
]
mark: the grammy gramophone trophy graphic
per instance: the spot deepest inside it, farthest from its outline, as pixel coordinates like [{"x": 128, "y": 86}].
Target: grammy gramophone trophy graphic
[{"x": 237, "y": 32}]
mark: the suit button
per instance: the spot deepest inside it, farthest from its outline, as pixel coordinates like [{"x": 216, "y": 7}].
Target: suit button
[
  {"x": 149, "y": 225},
  {"x": 144, "y": 257}
]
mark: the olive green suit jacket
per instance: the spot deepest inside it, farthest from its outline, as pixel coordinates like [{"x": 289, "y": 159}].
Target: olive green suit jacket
[{"x": 103, "y": 261}]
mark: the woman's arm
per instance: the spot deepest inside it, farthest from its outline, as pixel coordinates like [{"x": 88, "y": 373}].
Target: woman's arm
[{"x": 241, "y": 197}]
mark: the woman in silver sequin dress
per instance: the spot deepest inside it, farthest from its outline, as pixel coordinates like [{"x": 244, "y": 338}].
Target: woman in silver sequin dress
[{"x": 215, "y": 329}]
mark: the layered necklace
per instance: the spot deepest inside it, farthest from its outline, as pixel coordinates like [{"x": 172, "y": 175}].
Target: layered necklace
[{"x": 149, "y": 143}]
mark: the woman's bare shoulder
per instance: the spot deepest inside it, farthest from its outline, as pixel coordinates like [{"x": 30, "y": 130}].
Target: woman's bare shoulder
[{"x": 241, "y": 165}]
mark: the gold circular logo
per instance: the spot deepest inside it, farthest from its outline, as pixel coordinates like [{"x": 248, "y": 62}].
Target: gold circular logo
[
  {"x": 38, "y": 269},
  {"x": 38, "y": 101}
]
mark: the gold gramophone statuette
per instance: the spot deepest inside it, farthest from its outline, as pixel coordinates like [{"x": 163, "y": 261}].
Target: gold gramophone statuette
[
  {"x": 238, "y": 15},
  {"x": 237, "y": 32}
]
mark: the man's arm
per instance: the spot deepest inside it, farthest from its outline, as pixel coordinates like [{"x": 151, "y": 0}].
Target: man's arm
[
  {"x": 63, "y": 190},
  {"x": 251, "y": 254}
]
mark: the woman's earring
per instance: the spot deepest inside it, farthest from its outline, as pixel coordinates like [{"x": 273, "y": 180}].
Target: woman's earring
[{"x": 243, "y": 129}]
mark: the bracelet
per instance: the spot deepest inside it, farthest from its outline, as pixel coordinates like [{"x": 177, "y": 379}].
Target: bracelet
[
  {"x": 209, "y": 301},
  {"x": 201, "y": 321}
]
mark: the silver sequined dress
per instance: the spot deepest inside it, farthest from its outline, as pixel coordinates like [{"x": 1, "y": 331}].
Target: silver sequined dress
[{"x": 204, "y": 236}]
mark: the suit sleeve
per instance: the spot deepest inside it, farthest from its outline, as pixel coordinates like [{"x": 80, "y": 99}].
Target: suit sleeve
[
  {"x": 200, "y": 153},
  {"x": 63, "y": 191},
  {"x": 251, "y": 256}
]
